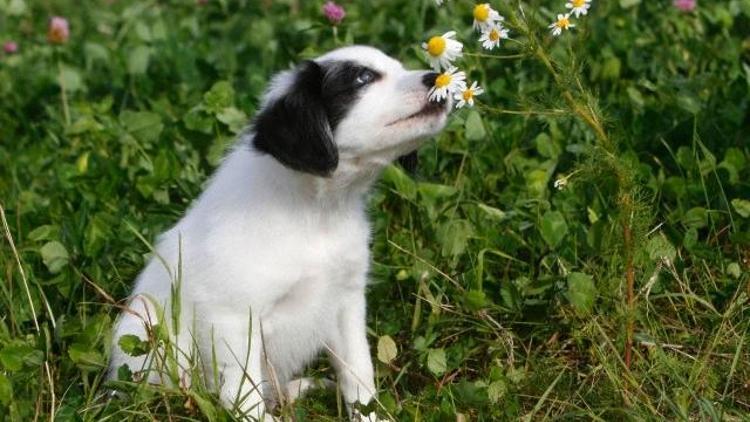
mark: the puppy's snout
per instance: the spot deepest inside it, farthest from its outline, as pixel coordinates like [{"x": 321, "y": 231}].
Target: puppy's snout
[{"x": 429, "y": 79}]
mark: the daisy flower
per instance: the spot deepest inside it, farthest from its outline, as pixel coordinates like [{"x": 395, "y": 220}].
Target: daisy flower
[
  {"x": 492, "y": 36},
  {"x": 442, "y": 50},
  {"x": 485, "y": 16},
  {"x": 578, "y": 7},
  {"x": 467, "y": 95},
  {"x": 447, "y": 83},
  {"x": 562, "y": 22}
]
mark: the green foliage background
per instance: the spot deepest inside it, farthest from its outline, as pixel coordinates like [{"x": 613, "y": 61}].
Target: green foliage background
[{"x": 504, "y": 297}]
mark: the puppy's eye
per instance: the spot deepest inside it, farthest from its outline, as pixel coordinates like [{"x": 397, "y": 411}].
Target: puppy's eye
[{"x": 365, "y": 77}]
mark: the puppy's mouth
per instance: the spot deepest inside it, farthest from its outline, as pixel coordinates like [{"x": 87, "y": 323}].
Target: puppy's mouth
[{"x": 432, "y": 108}]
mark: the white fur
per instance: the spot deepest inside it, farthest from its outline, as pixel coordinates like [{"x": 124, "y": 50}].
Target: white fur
[{"x": 284, "y": 249}]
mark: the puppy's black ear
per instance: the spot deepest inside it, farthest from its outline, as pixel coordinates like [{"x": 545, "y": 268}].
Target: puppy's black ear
[
  {"x": 409, "y": 162},
  {"x": 295, "y": 129}
]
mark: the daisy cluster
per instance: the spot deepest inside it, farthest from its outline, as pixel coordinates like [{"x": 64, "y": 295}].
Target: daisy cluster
[
  {"x": 562, "y": 23},
  {"x": 441, "y": 51}
]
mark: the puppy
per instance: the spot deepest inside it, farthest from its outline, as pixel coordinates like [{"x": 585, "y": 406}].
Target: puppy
[{"x": 271, "y": 261}]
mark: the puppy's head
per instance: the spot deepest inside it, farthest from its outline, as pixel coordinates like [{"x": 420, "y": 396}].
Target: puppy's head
[{"x": 352, "y": 110}]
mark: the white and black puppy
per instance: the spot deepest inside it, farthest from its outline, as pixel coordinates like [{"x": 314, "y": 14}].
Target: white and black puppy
[{"x": 273, "y": 257}]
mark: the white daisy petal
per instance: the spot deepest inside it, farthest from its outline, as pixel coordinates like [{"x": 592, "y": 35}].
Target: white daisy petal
[
  {"x": 447, "y": 83},
  {"x": 492, "y": 35},
  {"x": 485, "y": 16},
  {"x": 442, "y": 50},
  {"x": 466, "y": 95},
  {"x": 562, "y": 23},
  {"x": 578, "y": 7}
]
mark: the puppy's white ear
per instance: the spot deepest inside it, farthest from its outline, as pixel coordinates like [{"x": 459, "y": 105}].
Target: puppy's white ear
[{"x": 294, "y": 128}]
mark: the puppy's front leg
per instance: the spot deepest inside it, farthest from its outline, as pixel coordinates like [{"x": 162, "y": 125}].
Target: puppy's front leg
[
  {"x": 238, "y": 354},
  {"x": 350, "y": 353}
]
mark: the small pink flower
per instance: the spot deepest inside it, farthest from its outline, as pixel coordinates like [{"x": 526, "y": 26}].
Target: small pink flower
[
  {"x": 685, "y": 5},
  {"x": 10, "y": 47},
  {"x": 334, "y": 12},
  {"x": 59, "y": 31}
]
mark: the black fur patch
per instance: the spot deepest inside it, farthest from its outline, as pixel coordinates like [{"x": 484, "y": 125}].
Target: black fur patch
[
  {"x": 342, "y": 88},
  {"x": 409, "y": 162},
  {"x": 297, "y": 129}
]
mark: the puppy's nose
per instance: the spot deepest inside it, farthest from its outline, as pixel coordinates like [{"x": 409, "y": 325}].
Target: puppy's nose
[{"x": 429, "y": 79}]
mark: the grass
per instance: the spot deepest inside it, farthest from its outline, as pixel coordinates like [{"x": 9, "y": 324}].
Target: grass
[{"x": 505, "y": 297}]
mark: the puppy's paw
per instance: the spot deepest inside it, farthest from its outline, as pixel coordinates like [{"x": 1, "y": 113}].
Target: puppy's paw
[
  {"x": 267, "y": 417},
  {"x": 370, "y": 417},
  {"x": 298, "y": 387}
]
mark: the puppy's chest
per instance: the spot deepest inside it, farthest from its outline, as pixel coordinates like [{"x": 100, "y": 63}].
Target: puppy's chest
[{"x": 324, "y": 268}]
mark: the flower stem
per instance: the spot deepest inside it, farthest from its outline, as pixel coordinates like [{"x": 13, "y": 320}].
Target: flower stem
[
  {"x": 493, "y": 56},
  {"x": 625, "y": 195},
  {"x": 553, "y": 112},
  {"x": 63, "y": 94}
]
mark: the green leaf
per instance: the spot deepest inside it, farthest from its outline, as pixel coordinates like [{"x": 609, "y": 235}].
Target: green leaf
[
  {"x": 635, "y": 97},
  {"x": 6, "y": 390},
  {"x": 16, "y": 7},
  {"x": 581, "y": 292},
  {"x": 46, "y": 232},
  {"x": 124, "y": 373},
  {"x": 436, "y": 361},
  {"x": 474, "y": 129},
  {"x": 553, "y": 228},
  {"x": 206, "y": 406},
  {"x": 15, "y": 356},
  {"x": 696, "y": 217},
  {"x": 70, "y": 79},
  {"x": 492, "y": 212},
  {"x": 54, "y": 256},
  {"x": 454, "y": 236},
  {"x": 144, "y": 125},
  {"x": 219, "y": 97},
  {"x": 546, "y": 146},
  {"x": 138, "y": 60},
  {"x": 742, "y": 207},
  {"x": 611, "y": 68},
  {"x": 626, "y": 4},
  {"x": 659, "y": 248},
  {"x": 86, "y": 358},
  {"x": 95, "y": 53},
  {"x": 133, "y": 345},
  {"x": 496, "y": 391},
  {"x": 197, "y": 119},
  {"x": 475, "y": 299},
  {"x": 734, "y": 270},
  {"x": 234, "y": 118},
  {"x": 536, "y": 181},
  {"x": 433, "y": 191},
  {"x": 387, "y": 350},
  {"x": 401, "y": 182}
]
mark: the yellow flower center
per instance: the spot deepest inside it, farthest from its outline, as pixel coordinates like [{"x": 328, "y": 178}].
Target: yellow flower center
[
  {"x": 563, "y": 23},
  {"x": 482, "y": 12},
  {"x": 468, "y": 95},
  {"x": 578, "y": 3},
  {"x": 443, "y": 80},
  {"x": 436, "y": 46},
  {"x": 494, "y": 35}
]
